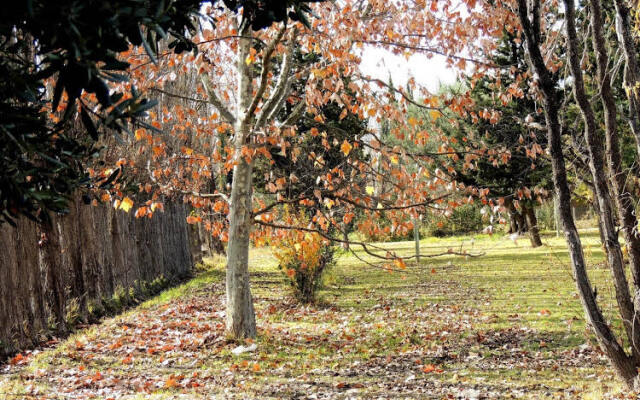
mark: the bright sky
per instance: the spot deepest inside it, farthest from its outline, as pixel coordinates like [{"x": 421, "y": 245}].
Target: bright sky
[{"x": 429, "y": 73}]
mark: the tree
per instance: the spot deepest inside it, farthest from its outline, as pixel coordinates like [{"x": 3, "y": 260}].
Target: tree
[
  {"x": 602, "y": 172},
  {"x": 59, "y": 58},
  {"x": 247, "y": 78},
  {"x": 517, "y": 172}
]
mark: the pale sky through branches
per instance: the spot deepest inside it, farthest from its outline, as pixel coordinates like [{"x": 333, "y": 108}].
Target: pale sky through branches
[{"x": 429, "y": 73}]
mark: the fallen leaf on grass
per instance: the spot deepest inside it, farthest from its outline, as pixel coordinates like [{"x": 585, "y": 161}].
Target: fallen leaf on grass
[
  {"x": 428, "y": 368},
  {"x": 171, "y": 382},
  {"x": 15, "y": 360},
  {"x": 97, "y": 377}
]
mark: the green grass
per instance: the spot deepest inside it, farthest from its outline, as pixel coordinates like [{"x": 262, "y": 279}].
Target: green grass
[{"x": 504, "y": 324}]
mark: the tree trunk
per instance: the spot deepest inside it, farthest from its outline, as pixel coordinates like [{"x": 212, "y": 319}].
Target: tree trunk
[
  {"x": 631, "y": 73},
  {"x": 624, "y": 200},
  {"x": 241, "y": 321},
  {"x": 624, "y": 366},
  {"x": 345, "y": 239},
  {"x": 596, "y": 209},
  {"x": 513, "y": 225},
  {"x": 534, "y": 233},
  {"x": 600, "y": 181},
  {"x": 517, "y": 221},
  {"x": 416, "y": 238}
]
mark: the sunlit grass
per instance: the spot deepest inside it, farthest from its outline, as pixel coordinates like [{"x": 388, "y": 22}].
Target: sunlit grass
[{"x": 505, "y": 322}]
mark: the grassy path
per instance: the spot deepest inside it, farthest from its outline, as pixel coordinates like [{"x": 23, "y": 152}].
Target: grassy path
[{"x": 504, "y": 325}]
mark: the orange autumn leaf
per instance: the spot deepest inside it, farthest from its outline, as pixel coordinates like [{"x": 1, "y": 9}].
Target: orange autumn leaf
[
  {"x": 346, "y": 148},
  {"x": 96, "y": 377},
  {"x": 171, "y": 382},
  {"x": 218, "y": 206},
  {"x": 15, "y": 360},
  {"x": 140, "y": 133},
  {"x": 141, "y": 212},
  {"x": 428, "y": 368},
  {"x": 400, "y": 263},
  {"x": 193, "y": 220}
]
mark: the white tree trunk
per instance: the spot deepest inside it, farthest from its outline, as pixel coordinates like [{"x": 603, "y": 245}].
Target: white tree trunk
[{"x": 241, "y": 320}]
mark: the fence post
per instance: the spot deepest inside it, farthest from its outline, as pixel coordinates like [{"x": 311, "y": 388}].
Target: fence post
[{"x": 416, "y": 236}]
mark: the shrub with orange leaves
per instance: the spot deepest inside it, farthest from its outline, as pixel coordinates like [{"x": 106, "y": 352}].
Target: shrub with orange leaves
[{"x": 303, "y": 258}]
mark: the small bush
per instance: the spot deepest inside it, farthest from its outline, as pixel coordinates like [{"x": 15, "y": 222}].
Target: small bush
[
  {"x": 546, "y": 216},
  {"x": 73, "y": 314},
  {"x": 303, "y": 258}
]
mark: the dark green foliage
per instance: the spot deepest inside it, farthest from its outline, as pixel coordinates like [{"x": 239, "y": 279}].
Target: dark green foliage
[
  {"x": 75, "y": 43},
  {"x": 464, "y": 219},
  {"x": 322, "y": 139},
  {"x": 512, "y": 133},
  {"x": 333, "y": 131},
  {"x": 262, "y": 13}
]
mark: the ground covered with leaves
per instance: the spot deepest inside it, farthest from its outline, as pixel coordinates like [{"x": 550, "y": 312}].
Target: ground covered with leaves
[{"x": 504, "y": 325}]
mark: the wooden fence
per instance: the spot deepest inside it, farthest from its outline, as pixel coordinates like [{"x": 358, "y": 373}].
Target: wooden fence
[{"x": 54, "y": 277}]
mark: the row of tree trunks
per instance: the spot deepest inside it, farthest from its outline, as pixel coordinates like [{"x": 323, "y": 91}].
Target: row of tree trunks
[
  {"x": 529, "y": 13},
  {"x": 51, "y": 275},
  {"x": 623, "y": 198},
  {"x": 597, "y": 167}
]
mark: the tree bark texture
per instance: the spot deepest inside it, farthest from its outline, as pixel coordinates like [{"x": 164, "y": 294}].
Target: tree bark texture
[
  {"x": 534, "y": 233},
  {"x": 631, "y": 72}
]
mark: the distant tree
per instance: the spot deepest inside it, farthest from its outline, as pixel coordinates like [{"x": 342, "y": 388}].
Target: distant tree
[{"x": 509, "y": 126}]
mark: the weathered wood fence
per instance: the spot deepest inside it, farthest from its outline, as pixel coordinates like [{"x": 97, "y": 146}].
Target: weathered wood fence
[{"x": 52, "y": 277}]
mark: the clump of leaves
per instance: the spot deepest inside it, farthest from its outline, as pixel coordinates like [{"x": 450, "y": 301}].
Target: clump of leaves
[{"x": 303, "y": 258}]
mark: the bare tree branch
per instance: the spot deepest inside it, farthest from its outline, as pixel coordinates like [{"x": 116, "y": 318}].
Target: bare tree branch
[
  {"x": 266, "y": 68},
  {"x": 177, "y": 96},
  {"x": 279, "y": 90},
  {"x": 295, "y": 115},
  {"x": 215, "y": 101}
]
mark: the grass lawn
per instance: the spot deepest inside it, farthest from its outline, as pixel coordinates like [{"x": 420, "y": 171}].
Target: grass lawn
[{"x": 506, "y": 324}]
